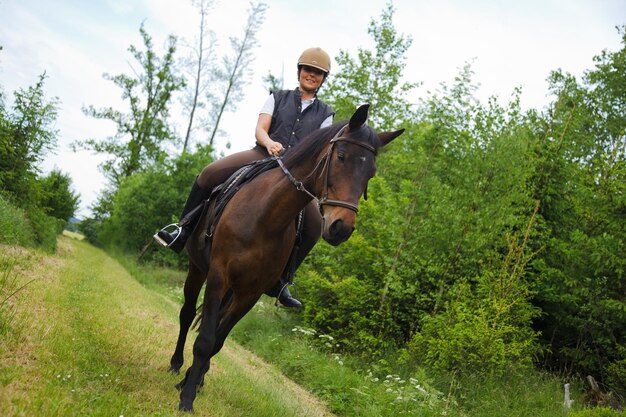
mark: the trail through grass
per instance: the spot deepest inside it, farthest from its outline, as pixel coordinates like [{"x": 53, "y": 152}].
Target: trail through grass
[{"x": 87, "y": 339}]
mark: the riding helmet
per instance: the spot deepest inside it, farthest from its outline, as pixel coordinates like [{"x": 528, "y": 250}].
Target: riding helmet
[{"x": 316, "y": 58}]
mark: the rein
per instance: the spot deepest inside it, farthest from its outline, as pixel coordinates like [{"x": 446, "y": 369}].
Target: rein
[{"x": 324, "y": 200}]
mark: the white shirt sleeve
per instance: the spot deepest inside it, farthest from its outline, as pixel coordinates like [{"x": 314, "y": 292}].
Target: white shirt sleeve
[
  {"x": 268, "y": 106},
  {"x": 327, "y": 121}
]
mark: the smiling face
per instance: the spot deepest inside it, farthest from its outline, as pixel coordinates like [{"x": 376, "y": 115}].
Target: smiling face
[{"x": 310, "y": 79}]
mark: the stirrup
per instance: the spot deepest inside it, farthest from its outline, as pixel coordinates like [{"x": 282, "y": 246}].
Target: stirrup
[
  {"x": 285, "y": 286},
  {"x": 159, "y": 239}
]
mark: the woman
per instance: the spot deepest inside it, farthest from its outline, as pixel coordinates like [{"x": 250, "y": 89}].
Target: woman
[{"x": 286, "y": 117}]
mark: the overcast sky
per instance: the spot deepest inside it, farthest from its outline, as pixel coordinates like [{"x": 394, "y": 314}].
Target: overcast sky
[{"x": 512, "y": 43}]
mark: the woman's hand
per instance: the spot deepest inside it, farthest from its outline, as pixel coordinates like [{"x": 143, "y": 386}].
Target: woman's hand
[
  {"x": 274, "y": 148},
  {"x": 262, "y": 137}
]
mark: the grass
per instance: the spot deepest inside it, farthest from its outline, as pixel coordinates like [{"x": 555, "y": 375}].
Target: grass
[
  {"x": 351, "y": 389},
  {"x": 73, "y": 235},
  {"x": 95, "y": 342},
  {"x": 89, "y": 338}
]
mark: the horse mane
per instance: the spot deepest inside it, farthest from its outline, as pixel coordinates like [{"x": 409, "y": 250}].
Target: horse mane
[{"x": 316, "y": 140}]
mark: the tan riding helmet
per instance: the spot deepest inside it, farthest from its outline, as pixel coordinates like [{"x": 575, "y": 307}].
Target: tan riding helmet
[{"x": 316, "y": 58}]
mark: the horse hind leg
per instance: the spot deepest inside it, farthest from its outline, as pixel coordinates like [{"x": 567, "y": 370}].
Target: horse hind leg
[
  {"x": 231, "y": 312},
  {"x": 193, "y": 285},
  {"x": 203, "y": 345}
]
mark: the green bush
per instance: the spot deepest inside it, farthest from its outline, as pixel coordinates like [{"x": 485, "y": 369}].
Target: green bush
[
  {"x": 147, "y": 201},
  {"x": 343, "y": 309},
  {"x": 45, "y": 229},
  {"x": 616, "y": 373},
  {"x": 30, "y": 228},
  {"x": 485, "y": 325},
  {"x": 90, "y": 228},
  {"x": 14, "y": 227}
]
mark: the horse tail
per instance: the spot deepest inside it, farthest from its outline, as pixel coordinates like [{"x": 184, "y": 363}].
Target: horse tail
[{"x": 226, "y": 301}]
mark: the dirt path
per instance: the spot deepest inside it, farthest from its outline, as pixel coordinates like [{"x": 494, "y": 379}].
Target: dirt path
[{"x": 87, "y": 339}]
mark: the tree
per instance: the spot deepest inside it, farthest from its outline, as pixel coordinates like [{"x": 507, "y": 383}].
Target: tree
[
  {"x": 58, "y": 198},
  {"x": 581, "y": 182},
  {"x": 273, "y": 82},
  {"x": 142, "y": 131},
  {"x": 235, "y": 70},
  {"x": 374, "y": 77},
  {"x": 26, "y": 135},
  {"x": 198, "y": 67}
]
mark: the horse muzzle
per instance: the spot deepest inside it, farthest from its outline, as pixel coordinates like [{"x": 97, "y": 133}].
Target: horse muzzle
[{"x": 338, "y": 230}]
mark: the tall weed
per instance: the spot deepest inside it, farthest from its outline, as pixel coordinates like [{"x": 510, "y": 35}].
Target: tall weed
[{"x": 9, "y": 288}]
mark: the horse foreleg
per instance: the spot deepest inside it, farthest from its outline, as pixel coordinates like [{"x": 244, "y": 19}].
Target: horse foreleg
[
  {"x": 193, "y": 285},
  {"x": 227, "y": 318},
  {"x": 203, "y": 346}
]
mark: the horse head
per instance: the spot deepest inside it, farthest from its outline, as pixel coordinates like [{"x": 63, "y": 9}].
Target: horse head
[{"x": 349, "y": 165}]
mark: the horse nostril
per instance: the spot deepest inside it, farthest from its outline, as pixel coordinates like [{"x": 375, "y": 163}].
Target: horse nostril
[{"x": 335, "y": 226}]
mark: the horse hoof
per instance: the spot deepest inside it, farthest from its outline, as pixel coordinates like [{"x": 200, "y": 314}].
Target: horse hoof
[
  {"x": 180, "y": 385},
  {"x": 174, "y": 371},
  {"x": 185, "y": 408}
]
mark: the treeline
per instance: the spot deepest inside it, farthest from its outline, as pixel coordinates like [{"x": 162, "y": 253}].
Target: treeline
[
  {"x": 494, "y": 237},
  {"x": 34, "y": 208}
]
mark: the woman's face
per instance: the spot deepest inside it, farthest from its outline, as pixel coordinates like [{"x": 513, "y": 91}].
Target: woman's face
[{"x": 310, "y": 79}]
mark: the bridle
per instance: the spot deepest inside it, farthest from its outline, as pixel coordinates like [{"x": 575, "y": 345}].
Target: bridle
[{"x": 325, "y": 162}]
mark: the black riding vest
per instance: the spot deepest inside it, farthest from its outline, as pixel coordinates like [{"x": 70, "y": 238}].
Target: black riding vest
[{"x": 289, "y": 123}]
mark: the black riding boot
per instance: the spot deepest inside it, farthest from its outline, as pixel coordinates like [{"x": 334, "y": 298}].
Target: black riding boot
[
  {"x": 281, "y": 291},
  {"x": 176, "y": 239}
]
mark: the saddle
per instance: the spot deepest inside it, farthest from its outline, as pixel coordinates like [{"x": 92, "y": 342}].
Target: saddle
[{"x": 223, "y": 193}]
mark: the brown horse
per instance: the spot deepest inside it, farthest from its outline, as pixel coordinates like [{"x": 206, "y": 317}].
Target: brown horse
[{"x": 253, "y": 239}]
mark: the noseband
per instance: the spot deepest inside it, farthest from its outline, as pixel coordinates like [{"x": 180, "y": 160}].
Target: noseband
[{"x": 325, "y": 161}]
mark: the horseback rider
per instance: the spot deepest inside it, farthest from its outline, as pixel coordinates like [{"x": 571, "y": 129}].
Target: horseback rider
[{"x": 286, "y": 117}]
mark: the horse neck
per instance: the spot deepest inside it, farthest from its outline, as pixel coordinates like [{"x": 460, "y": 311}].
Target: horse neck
[
  {"x": 310, "y": 169},
  {"x": 290, "y": 200}
]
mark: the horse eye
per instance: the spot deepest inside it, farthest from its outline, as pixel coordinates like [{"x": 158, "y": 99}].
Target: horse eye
[{"x": 341, "y": 156}]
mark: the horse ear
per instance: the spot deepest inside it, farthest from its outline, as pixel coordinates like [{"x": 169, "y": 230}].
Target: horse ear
[
  {"x": 359, "y": 117},
  {"x": 386, "y": 137}
]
